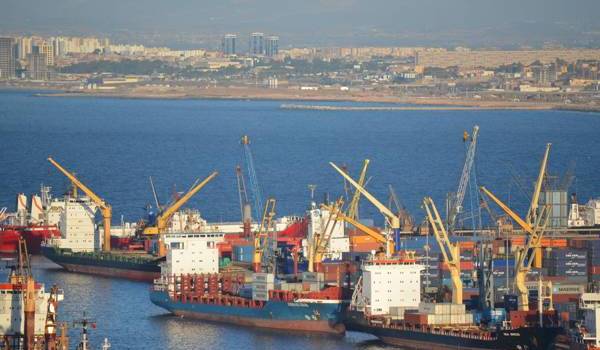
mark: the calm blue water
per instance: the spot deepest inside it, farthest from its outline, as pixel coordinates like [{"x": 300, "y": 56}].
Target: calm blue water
[{"x": 115, "y": 144}]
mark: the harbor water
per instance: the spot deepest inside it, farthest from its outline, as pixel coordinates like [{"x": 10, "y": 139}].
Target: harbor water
[{"x": 115, "y": 144}]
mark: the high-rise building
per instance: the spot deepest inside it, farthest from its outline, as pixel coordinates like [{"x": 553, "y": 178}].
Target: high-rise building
[
  {"x": 37, "y": 64},
  {"x": 46, "y": 49},
  {"x": 23, "y": 47},
  {"x": 7, "y": 58},
  {"x": 256, "y": 44},
  {"x": 228, "y": 44},
  {"x": 271, "y": 46}
]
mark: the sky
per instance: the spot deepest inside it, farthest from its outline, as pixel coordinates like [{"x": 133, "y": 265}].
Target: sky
[{"x": 316, "y": 22}]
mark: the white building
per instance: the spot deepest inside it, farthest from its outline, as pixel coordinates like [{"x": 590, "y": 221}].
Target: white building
[
  {"x": 387, "y": 284},
  {"x": 192, "y": 253}
]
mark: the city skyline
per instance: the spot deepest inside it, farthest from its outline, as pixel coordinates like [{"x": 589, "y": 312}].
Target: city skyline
[{"x": 185, "y": 24}]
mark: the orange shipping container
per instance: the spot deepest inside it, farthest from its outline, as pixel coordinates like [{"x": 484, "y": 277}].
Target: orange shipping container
[
  {"x": 464, "y": 266},
  {"x": 361, "y": 239}
]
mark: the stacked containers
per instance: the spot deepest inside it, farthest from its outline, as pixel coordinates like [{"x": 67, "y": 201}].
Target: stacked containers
[
  {"x": 593, "y": 260},
  {"x": 262, "y": 283},
  {"x": 570, "y": 262},
  {"x": 445, "y": 313}
]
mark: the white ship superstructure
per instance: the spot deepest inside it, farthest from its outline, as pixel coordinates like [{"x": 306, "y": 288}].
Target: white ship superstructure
[
  {"x": 12, "y": 320},
  {"x": 388, "y": 284},
  {"x": 77, "y": 224},
  {"x": 585, "y": 215},
  {"x": 192, "y": 253},
  {"x": 320, "y": 221}
]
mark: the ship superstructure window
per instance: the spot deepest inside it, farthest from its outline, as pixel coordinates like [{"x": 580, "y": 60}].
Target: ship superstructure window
[{"x": 176, "y": 245}]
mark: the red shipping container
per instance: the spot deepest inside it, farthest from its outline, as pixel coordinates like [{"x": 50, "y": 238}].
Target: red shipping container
[
  {"x": 594, "y": 270},
  {"x": 464, "y": 266},
  {"x": 415, "y": 318}
]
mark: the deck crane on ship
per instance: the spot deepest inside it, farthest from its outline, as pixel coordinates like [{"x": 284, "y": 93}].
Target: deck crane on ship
[
  {"x": 534, "y": 226},
  {"x": 261, "y": 236},
  {"x": 450, "y": 251},
  {"x": 162, "y": 220},
  {"x": 105, "y": 208},
  {"x": 353, "y": 206},
  {"x": 392, "y": 220},
  {"x": 320, "y": 242}
]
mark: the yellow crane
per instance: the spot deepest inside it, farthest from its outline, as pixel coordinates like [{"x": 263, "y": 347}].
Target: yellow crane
[
  {"x": 526, "y": 255},
  {"x": 450, "y": 251},
  {"x": 105, "y": 208},
  {"x": 353, "y": 207},
  {"x": 261, "y": 237},
  {"x": 391, "y": 218},
  {"x": 388, "y": 244},
  {"x": 162, "y": 220},
  {"x": 320, "y": 241}
]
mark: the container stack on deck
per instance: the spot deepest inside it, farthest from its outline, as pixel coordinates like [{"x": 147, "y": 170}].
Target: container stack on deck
[{"x": 439, "y": 314}]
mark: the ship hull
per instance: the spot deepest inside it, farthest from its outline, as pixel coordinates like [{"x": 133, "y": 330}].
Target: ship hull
[
  {"x": 144, "y": 271},
  {"x": 275, "y": 315},
  {"x": 522, "y": 338}
]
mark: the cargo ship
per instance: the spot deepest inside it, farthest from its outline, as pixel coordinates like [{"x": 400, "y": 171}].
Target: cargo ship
[
  {"x": 130, "y": 265},
  {"x": 191, "y": 285},
  {"x": 402, "y": 319}
]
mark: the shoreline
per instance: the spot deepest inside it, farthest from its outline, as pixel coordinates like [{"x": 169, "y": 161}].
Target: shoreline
[{"x": 397, "y": 103}]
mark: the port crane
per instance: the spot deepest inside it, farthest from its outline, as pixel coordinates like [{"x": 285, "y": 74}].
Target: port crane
[
  {"x": 406, "y": 221},
  {"x": 261, "y": 237},
  {"x": 450, "y": 251},
  {"x": 534, "y": 225},
  {"x": 455, "y": 205},
  {"x": 254, "y": 186},
  {"x": 353, "y": 207},
  {"x": 321, "y": 240},
  {"x": 526, "y": 255},
  {"x": 391, "y": 218},
  {"x": 105, "y": 208},
  {"x": 162, "y": 220}
]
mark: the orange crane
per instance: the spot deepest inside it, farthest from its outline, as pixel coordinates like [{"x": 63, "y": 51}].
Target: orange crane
[{"x": 105, "y": 208}]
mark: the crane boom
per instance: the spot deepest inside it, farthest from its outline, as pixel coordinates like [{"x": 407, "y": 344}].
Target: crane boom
[
  {"x": 457, "y": 201},
  {"x": 533, "y": 207},
  {"x": 389, "y": 244},
  {"x": 261, "y": 237},
  {"x": 525, "y": 256},
  {"x": 254, "y": 186},
  {"x": 163, "y": 219},
  {"x": 105, "y": 208},
  {"x": 390, "y": 216},
  {"x": 322, "y": 239},
  {"x": 353, "y": 207},
  {"x": 450, "y": 251}
]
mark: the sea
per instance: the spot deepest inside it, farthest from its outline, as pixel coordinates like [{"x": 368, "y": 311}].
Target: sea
[{"x": 114, "y": 145}]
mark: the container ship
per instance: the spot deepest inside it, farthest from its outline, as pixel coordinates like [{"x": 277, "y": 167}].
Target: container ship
[
  {"x": 402, "y": 319},
  {"x": 191, "y": 285}
]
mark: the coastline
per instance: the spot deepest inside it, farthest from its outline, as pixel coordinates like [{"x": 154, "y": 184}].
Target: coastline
[{"x": 396, "y": 102}]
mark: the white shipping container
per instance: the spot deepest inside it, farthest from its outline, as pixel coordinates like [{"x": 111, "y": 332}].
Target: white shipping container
[
  {"x": 263, "y": 277},
  {"x": 260, "y": 296}
]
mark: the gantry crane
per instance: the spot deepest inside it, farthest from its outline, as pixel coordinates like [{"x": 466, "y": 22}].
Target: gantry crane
[
  {"x": 456, "y": 200},
  {"x": 254, "y": 186},
  {"x": 320, "y": 241},
  {"x": 245, "y": 207},
  {"x": 105, "y": 208},
  {"x": 353, "y": 207},
  {"x": 162, "y": 220},
  {"x": 261, "y": 237},
  {"x": 450, "y": 251},
  {"x": 391, "y": 218},
  {"x": 526, "y": 255}
]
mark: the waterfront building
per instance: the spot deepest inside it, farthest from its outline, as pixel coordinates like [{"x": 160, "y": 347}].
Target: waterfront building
[
  {"x": 228, "y": 44},
  {"x": 256, "y": 44},
  {"x": 37, "y": 65},
  {"x": 271, "y": 46},
  {"x": 7, "y": 58}
]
